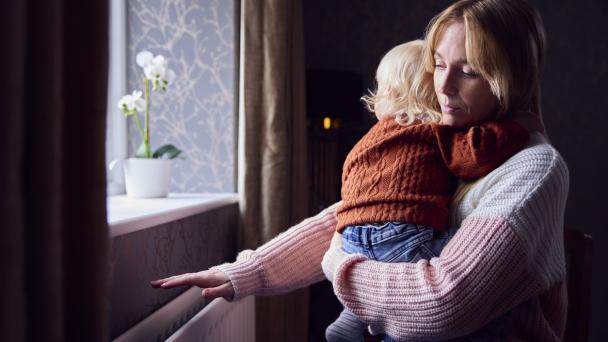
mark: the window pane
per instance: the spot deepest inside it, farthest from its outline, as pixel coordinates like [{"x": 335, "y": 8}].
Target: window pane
[
  {"x": 197, "y": 112},
  {"x": 116, "y": 131}
]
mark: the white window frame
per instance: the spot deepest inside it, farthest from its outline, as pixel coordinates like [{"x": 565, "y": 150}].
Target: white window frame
[{"x": 116, "y": 131}]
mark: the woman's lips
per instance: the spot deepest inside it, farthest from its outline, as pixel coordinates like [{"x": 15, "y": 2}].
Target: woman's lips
[{"x": 447, "y": 109}]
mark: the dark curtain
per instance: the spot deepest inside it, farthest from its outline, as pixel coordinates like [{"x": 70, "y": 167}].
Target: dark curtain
[
  {"x": 54, "y": 241},
  {"x": 272, "y": 146}
]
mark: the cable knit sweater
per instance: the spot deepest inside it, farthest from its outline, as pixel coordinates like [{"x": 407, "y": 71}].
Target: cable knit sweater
[
  {"x": 507, "y": 255},
  {"x": 408, "y": 173}
]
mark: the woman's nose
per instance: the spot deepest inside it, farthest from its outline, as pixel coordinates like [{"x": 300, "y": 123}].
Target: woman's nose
[{"x": 447, "y": 84}]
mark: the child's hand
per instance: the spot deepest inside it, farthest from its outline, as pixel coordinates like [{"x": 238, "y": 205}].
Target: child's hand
[
  {"x": 530, "y": 121},
  {"x": 214, "y": 283}
]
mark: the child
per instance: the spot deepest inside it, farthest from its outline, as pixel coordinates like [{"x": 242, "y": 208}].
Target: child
[{"x": 398, "y": 180}]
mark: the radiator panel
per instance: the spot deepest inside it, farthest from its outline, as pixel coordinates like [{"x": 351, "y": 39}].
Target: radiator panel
[
  {"x": 182, "y": 320},
  {"x": 220, "y": 321}
]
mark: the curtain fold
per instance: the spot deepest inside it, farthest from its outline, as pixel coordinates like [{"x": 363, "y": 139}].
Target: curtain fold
[
  {"x": 272, "y": 179},
  {"x": 54, "y": 241}
]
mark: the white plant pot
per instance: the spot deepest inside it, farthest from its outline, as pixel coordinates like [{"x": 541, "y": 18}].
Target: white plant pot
[{"x": 147, "y": 178}]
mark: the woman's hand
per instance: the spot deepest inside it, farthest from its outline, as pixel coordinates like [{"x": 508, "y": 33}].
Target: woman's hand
[{"x": 214, "y": 283}]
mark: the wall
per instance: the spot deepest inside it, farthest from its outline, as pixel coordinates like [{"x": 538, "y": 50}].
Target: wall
[
  {"x": 353, "y": 35},
  {"x": 576, "y": 113},
  {"x": 189, "y": 244},
  {"x": 197, "y": 112}
]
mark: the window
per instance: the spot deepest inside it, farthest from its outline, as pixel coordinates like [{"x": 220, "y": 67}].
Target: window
[
  {"x": 116, "y": 132},
  {"x": 197, "y": 112}
]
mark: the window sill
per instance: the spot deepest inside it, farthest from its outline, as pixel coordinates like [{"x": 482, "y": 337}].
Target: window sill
[{"x": 127, "y": 215}]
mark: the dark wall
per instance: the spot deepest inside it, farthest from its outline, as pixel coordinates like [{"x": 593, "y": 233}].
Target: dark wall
[
  {"x": 352, "y": 35},
  {"x": 575, "y": 108},
  {"x": 191, "y": 243}
]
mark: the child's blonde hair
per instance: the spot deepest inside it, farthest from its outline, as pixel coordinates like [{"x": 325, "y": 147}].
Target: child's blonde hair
[{"x": 394, "y": 77}]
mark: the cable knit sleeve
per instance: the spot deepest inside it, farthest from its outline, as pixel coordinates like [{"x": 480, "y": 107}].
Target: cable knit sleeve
[
  {"x": 289, "y": 261},
  {"x": 507, "y": 253},
  {"x": 477, "y": 151}
]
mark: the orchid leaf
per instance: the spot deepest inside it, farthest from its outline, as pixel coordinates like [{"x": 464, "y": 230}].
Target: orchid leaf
[{"x": 167, "y": 152}]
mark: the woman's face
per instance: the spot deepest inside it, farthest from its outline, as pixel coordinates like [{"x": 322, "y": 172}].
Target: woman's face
[{"x": 464, "y": 96}]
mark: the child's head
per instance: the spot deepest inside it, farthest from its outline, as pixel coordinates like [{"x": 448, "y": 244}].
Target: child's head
[{"x": 394, "y": 78}]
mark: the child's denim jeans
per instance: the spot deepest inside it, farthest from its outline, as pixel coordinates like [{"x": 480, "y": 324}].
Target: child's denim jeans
[
  {"x": 405, "y": 242},
  {"x": 395, "y": 241}
]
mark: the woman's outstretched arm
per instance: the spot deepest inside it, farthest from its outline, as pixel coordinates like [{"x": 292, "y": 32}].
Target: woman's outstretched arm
[
  {"x": 287, "y": 262},
  {"x": 507, "y": 253}
]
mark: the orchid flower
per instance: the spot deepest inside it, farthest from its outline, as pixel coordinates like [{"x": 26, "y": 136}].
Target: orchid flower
[
  {"x": 131, "y": 104},
  {"x": 155, "y": 71}
]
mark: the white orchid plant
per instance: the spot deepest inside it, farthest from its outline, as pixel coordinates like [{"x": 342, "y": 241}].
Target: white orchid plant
[{"x": 157, "y": 73}]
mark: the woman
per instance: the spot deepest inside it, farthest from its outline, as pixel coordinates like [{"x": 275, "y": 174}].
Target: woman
[{"x": 484, "y": 58}]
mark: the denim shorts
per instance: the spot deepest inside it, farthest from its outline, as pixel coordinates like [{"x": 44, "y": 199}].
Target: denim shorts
[{"x": 395, "y": 241}]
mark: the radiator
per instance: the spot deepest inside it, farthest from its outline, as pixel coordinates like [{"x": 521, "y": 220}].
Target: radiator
[{"x": 218, "y": 321}]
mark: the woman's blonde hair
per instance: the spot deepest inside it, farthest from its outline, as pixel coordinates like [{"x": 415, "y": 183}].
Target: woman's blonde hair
[
  {"x": 394, "y": 78},
  {"x": 505, "y": 43}
]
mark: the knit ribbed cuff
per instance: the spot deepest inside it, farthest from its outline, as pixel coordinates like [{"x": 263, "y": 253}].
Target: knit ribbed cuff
[
  {"x": 332, "y": 257},
  {"x": 330, "y": 262},
  {"x": 245, "y": 274},
  {"x": 335, "y": 258}
]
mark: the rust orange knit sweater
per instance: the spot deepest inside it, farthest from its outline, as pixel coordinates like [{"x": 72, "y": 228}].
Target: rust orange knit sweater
[{"x": 408, "y": 173}]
